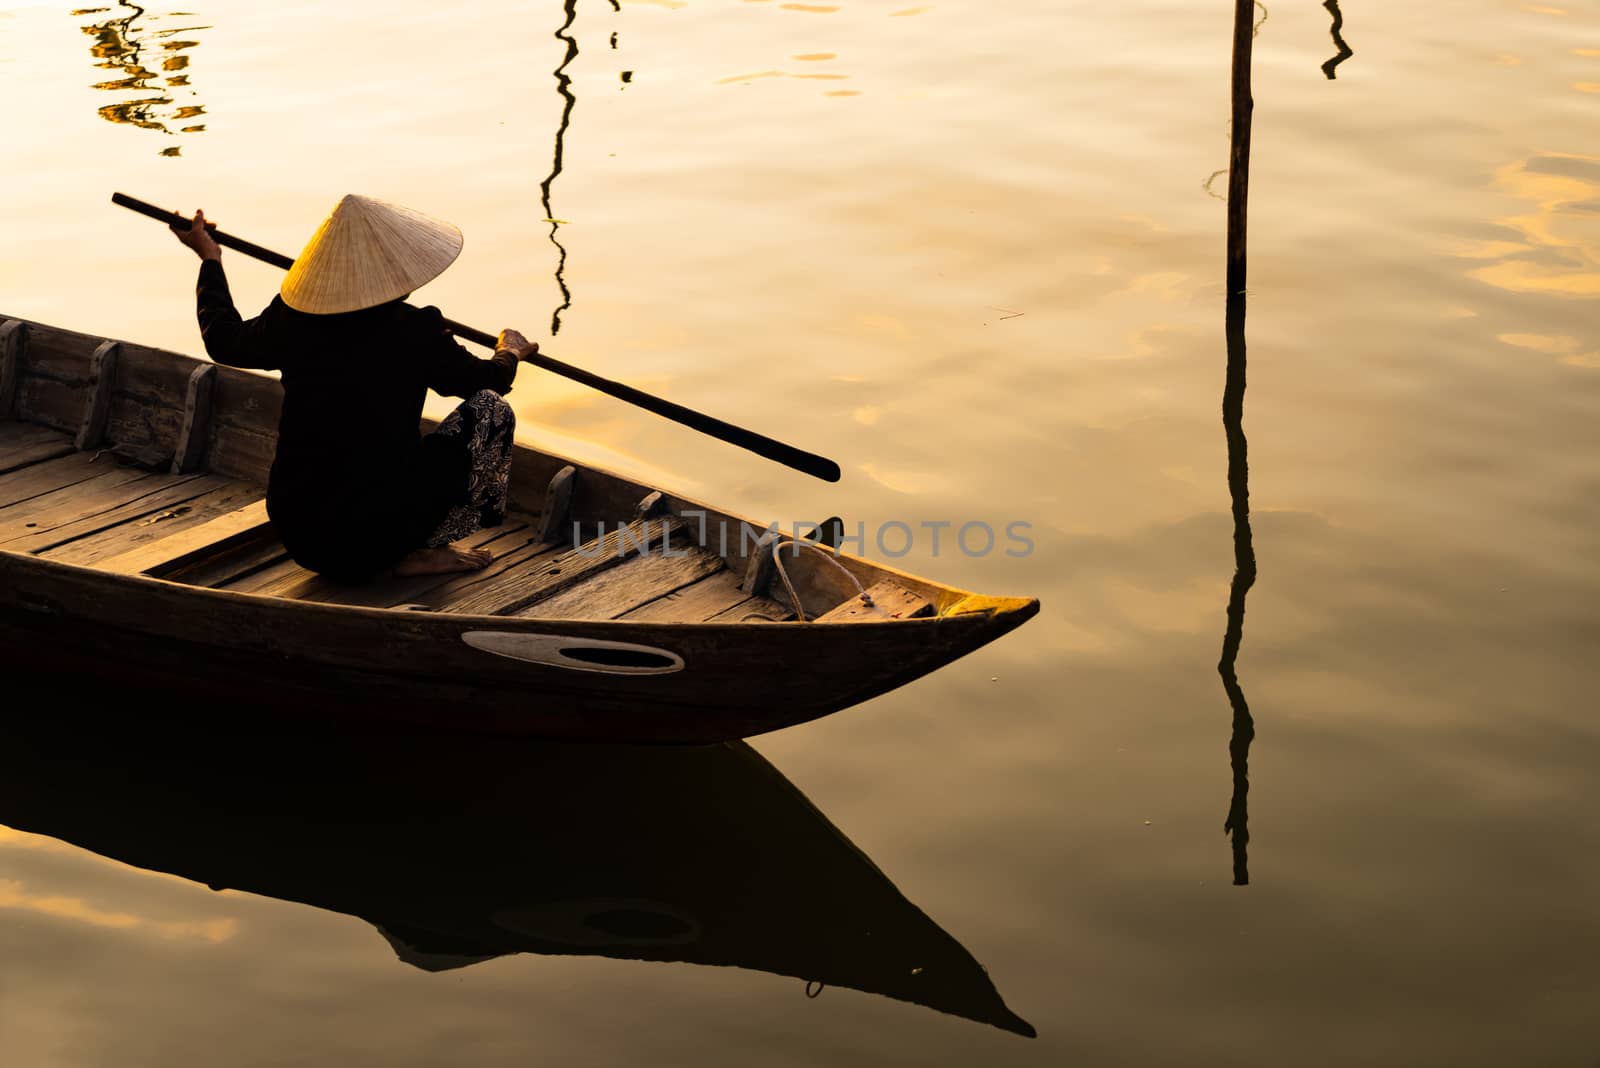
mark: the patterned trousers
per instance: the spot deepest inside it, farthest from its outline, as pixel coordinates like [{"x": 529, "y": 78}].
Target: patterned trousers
[{"x": 484, "y": 425}]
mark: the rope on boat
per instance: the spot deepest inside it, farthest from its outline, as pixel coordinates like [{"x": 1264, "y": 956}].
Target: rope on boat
[
  {"x": 820, "y": 987},
  {"x": 794, "y": 598}
]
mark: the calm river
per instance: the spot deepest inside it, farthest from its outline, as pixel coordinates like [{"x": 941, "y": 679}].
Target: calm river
[{"x": 974, "y": 252}]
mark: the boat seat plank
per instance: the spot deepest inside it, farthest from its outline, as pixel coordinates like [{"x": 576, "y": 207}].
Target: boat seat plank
[
  {"x": 634, "y": 582},
  {"x": 694, "y": 603},
  {"x": 212, "y": 496},
  {"x": 24, "y": 444},
  {"x": 527, "y": 585},
  {"x": 175, "y": 493},
  {"x": 383, "y": 591},
  {"x": 890, "y": 600},
  {"x": 174, "y": 551},
  {"x": 51, "y": 475}
]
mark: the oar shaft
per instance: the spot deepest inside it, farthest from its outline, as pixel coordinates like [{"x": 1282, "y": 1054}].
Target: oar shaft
[
  {"x": 788, "y": 455},
  {"x": 254, "y": 251}
]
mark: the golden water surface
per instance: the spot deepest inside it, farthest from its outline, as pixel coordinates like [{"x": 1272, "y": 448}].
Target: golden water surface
[{"x": 974, "y": 252}]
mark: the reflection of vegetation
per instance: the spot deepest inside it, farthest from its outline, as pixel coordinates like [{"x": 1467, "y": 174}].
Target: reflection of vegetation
[
  {"x": 148, "y": 61},
  {"x": 1338, "y": 41}
]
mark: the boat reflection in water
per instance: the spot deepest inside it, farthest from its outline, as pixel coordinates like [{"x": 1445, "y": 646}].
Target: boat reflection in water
[{"x": 459, "y": 848}]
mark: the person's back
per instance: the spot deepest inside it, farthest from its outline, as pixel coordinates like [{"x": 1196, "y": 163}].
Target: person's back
[
  {"x": 353, "y": 386},
  {"x": 355, "y": 488}
]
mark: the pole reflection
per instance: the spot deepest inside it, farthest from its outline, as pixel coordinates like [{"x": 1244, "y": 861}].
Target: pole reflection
[
  {"x": 564, "y": 89},
  {"x": 1244, "y": 576},
  {"x": 1244, "y": 556},
  {"x": 1345, "y": 51},
  {"x": 146, "y": 59}
]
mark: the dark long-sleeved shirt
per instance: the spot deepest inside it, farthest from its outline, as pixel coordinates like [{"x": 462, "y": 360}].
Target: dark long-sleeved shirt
[{"x": 349, "y": 442}]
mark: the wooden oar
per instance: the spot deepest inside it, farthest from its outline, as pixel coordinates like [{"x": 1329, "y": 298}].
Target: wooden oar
[{"x": 809, "y": 462}]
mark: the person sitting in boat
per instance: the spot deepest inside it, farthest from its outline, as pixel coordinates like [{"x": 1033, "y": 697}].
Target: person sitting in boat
[{"x": 356, "y": 489}]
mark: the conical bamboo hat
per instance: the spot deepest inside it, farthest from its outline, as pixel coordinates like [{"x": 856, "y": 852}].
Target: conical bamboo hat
[{"x": 368, "y": 252}]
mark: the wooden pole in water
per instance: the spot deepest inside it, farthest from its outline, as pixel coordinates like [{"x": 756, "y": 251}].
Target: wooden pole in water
[
  {"x": 788, "y": 455},
  {"x": 1239, "y": 156}
]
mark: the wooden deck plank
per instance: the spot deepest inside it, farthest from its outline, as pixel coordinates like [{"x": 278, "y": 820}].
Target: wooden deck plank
[
  {"x": 753, "y": 609},
  {"x": 890, "y": 600},
  {"x": 517, "y": 588},
  {"x": 694, "y": 603},
  {"x": 280, "y": 577},
  {"x": 216, "y": 496},
  {"x": 511, "y": 545},
  {"x": 176, "y": 499},
  {"x": 197, "y": 541},
  {"x": 230, "y": 563},
  {"x": 524, "y": 552},
  {"x": 174, "y": 493},
  {"x": 280, "y": 571},
  {"x": 24, "y": 444},
  {"x": 634, "y": 582},
  {"x": 51, "y": 475},
  {"x": 104, "y": 492},
  {"x": 381, "y": 592}
]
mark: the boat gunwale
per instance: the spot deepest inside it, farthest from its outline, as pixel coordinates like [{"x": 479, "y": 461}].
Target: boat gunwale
[{"x": 992, "y": 606}]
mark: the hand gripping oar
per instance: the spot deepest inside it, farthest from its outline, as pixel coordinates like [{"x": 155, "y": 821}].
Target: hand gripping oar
[{"x": 809, "y": 462}]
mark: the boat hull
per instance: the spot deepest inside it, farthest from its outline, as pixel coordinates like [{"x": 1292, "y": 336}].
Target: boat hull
[
  {"x": 585, "y": 671},
  {"x": 731, "y": 680}
]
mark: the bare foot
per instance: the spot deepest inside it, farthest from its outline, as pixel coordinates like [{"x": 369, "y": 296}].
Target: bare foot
[{"x": 444, "y": 560}]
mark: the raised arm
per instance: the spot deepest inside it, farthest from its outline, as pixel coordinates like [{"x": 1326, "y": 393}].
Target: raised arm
[{"x": 228, "y": 338}]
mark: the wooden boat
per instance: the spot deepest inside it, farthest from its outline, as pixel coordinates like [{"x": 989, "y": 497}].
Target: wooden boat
[
  {"x": 461, "y": 847},
  {"x": 136, "y": 547}
]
